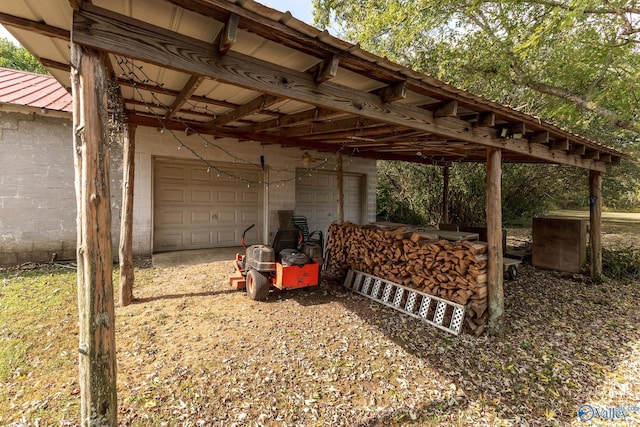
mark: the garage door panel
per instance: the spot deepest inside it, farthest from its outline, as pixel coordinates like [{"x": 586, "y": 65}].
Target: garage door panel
[
  {"x": 227, "y": 237},
  {"x": 304, "y": 197},
  {"x": 226, "y": 216},
  {"x": 250, "y": 196},
  {"x": 316, "y": 198},
  {"x": 200, "y": 217},
  {"x": 249, "y": 216},
  {"x": 169, "y": 173},
  {"x": 170, "y": 218},
  {"x": 195, "y": 209},
  {"x": 324, "y": 198},
  {"x": 323, "y": 181},
  {"x": 200, "y": 175},
  {"x": 227, "y": 196},
  {"x": 170, "y": 240},
  {"x": 200, "y": 238},
  {"x": 172, "y": 195},
  {"x": 201, "y": 196}
]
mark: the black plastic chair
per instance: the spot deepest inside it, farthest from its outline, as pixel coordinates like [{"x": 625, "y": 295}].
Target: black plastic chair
[{"x": 309, "y": 237}]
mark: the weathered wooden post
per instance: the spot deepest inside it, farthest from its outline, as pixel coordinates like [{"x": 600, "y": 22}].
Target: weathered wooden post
[
  {"x": 97, "y": 352},
  {"x": 126, "y": 222},
  {"x": 595, "y": 221},
  {"x": 494, "y": 241},
  {"x": 340, "y": 180}
]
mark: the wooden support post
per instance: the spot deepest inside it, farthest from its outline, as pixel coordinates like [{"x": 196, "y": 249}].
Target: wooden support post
[
  {"x": 494, "y": 240},
  {"x": 126, "y": 221},
  {"x": 340, "y": 180},
  {"x": 595, "y": 220},
  {"x": 97, "y": 350},
  {"x": 445, "y": 195}
]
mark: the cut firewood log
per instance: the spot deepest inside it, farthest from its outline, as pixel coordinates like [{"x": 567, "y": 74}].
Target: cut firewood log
[{"x": 453, "y": 271}]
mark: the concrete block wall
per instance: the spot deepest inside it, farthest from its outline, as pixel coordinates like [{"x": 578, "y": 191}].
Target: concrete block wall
[
  {"x": 281, "y": 164},
  {"x": 37, "y": 191}
]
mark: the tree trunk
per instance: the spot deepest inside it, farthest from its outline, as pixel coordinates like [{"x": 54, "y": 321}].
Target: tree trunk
[
  {"x": 445, "y": 195},
  {"x": 126, "y": 222},
  {"x": 340, "y": 180},
  {"x": 595, "y": 221},
  {"x": 97, "y": 352},
  {"x": 494, "y": 240}
]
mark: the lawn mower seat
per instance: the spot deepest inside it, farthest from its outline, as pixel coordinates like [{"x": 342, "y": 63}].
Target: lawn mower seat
[{"x": 285, "y": 238}]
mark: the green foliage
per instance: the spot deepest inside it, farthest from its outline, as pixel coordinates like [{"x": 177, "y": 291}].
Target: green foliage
[
  {"x": 18, "y": 58},
  {"x": 621, "y": 263},
  {"x": 412, "y": 193},
  {"x": 565, "y": 61},
  {"x": 573, "y": 63}
]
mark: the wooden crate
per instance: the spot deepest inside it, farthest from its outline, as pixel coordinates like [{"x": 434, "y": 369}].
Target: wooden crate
[{"x": 559, "y": 244}]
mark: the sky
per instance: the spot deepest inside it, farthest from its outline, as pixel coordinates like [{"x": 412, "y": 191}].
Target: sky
[{"x": 300, "y": 9}]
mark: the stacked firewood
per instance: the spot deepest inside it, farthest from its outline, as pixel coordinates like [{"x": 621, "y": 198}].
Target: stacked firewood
[{"x": 453, "y": 271}]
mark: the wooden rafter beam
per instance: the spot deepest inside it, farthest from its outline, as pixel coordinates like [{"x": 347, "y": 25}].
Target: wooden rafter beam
[
  {"x": 255, "y": 105},
  {"x": 393, "y": 92},
  {"x": 518, "y": 130},
  {"x": 541, "y": 137},
  {"x": 486, "y": 119},
  {"x": 352, "y": 124},
  {"x": 48, "y": 63},
  {"x": 184, "y": 95},
  {"x": 174, "y": 93},
  {"x": 579, "y": 150},
  {"x": 297, "y": 118},
  {"x": 328, "y": 69},
  {"x": 229, "y": 34},
  {"x": 118, "y": 34},
  {"x": 448, "y": 109},
  {"x": 33, "y": 26},
  {"x": 560, "y": 145},
  {"x": 369, "y": 133}
]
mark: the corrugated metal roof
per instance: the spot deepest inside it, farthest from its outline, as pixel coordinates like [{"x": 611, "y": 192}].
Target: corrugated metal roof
[{"x": 33, "y": 90}]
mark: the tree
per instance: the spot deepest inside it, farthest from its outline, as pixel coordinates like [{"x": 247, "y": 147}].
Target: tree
[
  {"x": 580, "y": 55},
  {"x": 573, "y": 62},
  {"x": 18, "y": 58}
]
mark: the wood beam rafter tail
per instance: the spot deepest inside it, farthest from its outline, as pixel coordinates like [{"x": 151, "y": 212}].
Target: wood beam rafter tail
[
  {"x": 35, "y": 27},
  {"x": 328, "y": 69},
  {"x": 255, "y": 105},
  {"x": 394, "y": 92}
]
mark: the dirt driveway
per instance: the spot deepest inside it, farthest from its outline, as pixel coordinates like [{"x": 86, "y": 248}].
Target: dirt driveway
[{"x": 191, "y": 351}]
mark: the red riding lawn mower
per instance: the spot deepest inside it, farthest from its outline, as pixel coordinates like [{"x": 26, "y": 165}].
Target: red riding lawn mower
[{"x": 289, "y": 263}]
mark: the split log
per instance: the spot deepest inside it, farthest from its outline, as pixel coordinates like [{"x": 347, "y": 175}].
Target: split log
[{"x": 454, "y": 271}]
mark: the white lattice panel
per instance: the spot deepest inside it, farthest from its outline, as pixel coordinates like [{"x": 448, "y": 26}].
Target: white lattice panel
[{"x": 442, "y": 314}]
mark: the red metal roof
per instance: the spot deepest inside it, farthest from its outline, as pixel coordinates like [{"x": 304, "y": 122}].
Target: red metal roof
[{"x": 33, "y": 90}]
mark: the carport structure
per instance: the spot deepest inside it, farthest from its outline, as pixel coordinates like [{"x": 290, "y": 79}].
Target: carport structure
[{"x": 174, "y": 65}]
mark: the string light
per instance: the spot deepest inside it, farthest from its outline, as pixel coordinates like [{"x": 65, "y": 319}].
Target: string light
[{"x": 136, "y": 74}]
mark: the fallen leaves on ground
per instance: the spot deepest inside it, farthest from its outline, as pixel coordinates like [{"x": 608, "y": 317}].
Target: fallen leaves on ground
[{"x": 193, "y": 352}]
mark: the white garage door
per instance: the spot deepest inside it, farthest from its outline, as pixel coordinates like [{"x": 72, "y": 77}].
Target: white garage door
[
  {"x": 196, "y": 209},
  {"x": 317, "y": 195}
]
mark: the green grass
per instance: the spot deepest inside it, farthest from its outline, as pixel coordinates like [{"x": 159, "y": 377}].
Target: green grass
[{"x": 38, "y": 338}]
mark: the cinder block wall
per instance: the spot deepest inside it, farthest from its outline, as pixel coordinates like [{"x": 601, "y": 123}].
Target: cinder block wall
[{"x": 37, "y": 192}]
